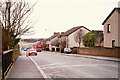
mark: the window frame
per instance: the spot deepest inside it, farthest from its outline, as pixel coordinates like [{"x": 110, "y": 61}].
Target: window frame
[{"x": 108, "y": 28}]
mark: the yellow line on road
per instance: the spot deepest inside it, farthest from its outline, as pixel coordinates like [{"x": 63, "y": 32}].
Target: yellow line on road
[{"x": 9, "y": 72}]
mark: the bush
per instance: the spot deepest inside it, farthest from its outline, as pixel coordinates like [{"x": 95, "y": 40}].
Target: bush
[
  {"x": 47, "y": 49},
  {"x": 89, "y": 39},
  {"x": 62, "y": 50},
  {"x": 74, "y": 51},
  {"x": 20, "y": 53}
]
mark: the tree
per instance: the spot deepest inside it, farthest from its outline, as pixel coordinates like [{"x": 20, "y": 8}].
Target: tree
[
  {"x": 62, "y": 43},
  {"x": 13, "y": 16},
  {"x": 78, "y": 37},
  {"x": 89, "y": 39}
]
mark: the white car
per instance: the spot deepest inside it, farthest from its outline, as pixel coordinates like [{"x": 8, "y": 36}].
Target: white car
[{"x": 67, "y": 50}]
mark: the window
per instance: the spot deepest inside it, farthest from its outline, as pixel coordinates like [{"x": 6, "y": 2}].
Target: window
[
  {"x": 113, "y": 43},
  {"x": 108, "y": 28}
]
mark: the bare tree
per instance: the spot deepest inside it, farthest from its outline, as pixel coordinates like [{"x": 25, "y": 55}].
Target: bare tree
[
  {"x": 78, "y": 36},
  {"x": 13, "y": 16},
  {"x": 62, "y": 43}
]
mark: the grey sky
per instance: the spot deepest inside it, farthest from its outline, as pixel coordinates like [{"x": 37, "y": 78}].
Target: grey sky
[{"x": 50, "y": 16}]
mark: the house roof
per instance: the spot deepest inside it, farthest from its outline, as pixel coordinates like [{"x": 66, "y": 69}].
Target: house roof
[
  {"x": 97, "y": 30},
  {"x": 72, "y": 30},
  {"x": 55, "y": 43},
  {"x": 115, "y": 9},
  {"x": 53, "y": 36},
  {"x": 45, "y": 40}
]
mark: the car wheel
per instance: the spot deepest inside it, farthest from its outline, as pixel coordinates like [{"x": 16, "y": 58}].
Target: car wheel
[{"x": 29, "y": 54}]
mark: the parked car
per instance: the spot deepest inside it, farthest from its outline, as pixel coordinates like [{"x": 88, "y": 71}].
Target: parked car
[
  {"x": 32, "y": 52},
  {"x": 38, "y": 49},
  {"x": 67, "y": 50},
  {"x": 25, "y": 49}
]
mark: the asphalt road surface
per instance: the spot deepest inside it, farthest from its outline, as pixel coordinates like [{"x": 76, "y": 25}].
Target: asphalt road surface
[{"x": 60, "y": 65}]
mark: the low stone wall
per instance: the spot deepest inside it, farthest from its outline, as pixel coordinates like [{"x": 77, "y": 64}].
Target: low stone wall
[{"x": 100, "y": 51}]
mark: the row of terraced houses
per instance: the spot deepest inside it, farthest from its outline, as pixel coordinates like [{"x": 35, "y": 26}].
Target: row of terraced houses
[{"x": 108, "y": 39}]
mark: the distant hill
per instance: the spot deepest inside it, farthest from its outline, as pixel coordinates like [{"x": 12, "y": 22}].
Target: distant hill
[{"x": 32, "y": 40}]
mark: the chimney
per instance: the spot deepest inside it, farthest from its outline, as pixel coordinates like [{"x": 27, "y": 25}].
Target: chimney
[
  {"x": 62, "y": 32},
  {"x": 56, "y": 33}
]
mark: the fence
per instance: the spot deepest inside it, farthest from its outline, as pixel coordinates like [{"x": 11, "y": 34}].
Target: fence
[
  {"x": 100, "y": 51},
  {"x": 6, "y": 62}
]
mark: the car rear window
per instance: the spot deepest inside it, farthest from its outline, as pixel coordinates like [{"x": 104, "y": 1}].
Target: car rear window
[{"x": 32, "y": 50}]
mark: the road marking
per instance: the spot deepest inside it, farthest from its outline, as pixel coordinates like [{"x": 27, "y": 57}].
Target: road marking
[
  {"x": 60, "y": 66},
  {"x": 40, "y": 70},
  {"x": 54, "y": 64}
]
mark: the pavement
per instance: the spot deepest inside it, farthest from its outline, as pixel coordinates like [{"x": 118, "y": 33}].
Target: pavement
[
  {"x": 25, "y": 68},
  {"x": 93, "y": 57}
]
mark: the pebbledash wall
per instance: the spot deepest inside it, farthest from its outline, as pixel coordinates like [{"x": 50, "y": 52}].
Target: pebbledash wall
[{"x": 100, "y": 51}]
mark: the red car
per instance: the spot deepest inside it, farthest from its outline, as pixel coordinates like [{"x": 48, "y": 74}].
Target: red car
[
  {"x": 38, "y": 50},
  {"x": 32, "y": 52}
]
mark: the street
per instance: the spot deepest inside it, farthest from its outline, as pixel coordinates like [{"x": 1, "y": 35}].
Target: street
[
  {"x": 59, "y": 39},
  {"x": 60, "y": 65}
]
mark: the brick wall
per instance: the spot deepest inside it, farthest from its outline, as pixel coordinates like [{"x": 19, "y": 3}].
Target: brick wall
[{"x": 100, "y": 51}]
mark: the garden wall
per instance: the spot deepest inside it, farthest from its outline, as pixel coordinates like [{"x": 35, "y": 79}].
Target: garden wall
[{"x": 100, "y": 51}]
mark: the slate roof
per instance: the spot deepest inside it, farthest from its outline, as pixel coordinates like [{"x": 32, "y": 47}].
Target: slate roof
[
  {"x": 55, "y": 43},
  {"x": 97, "y": 30},
  {"x": 115, "y": 9},
  {"x": 72, "y": 30},
  {"x": 53, "y": 36}
]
